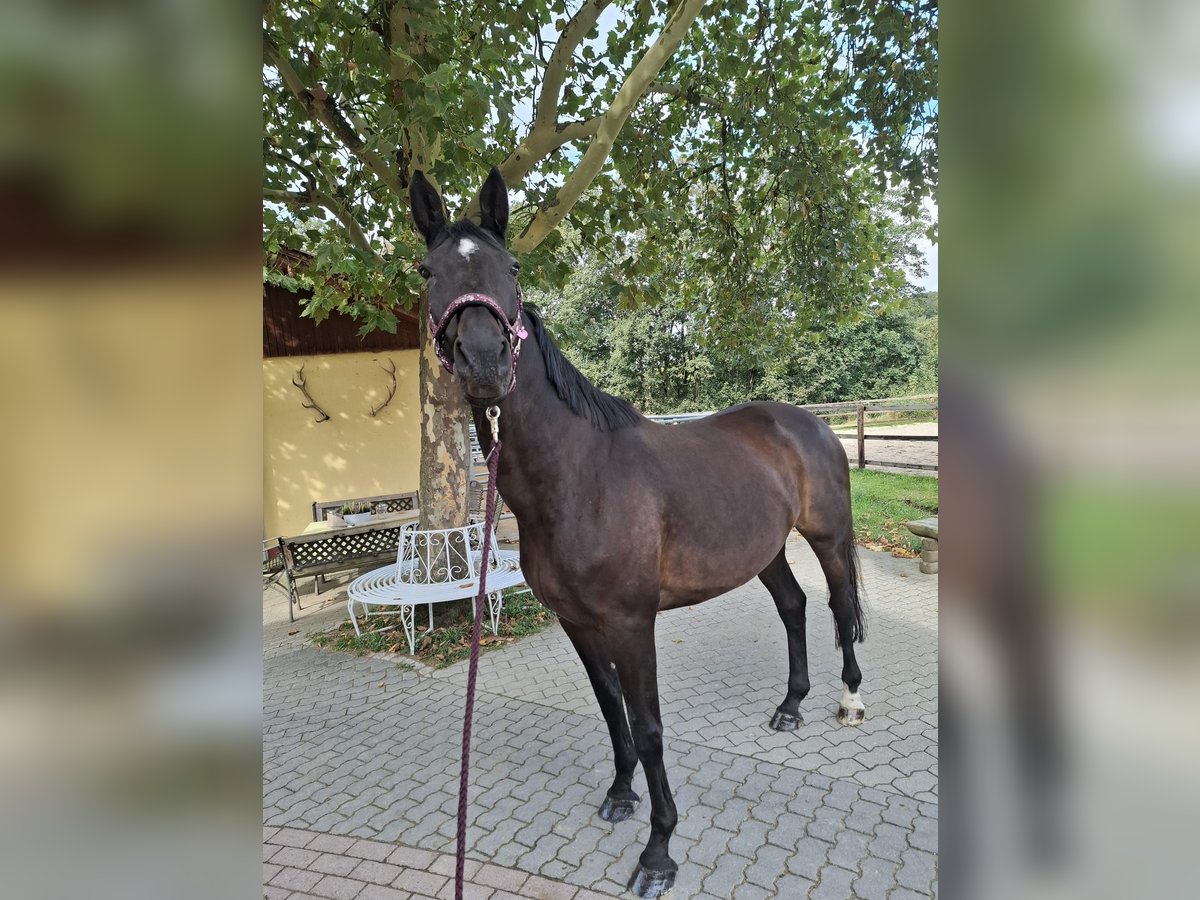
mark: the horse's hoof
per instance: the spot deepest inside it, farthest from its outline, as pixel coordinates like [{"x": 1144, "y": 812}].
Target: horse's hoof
[
  {"x": 647, "y": 883},
  {"x": 851, "y": 711},
  {"x": 782, "y": 721},
  {"x": 618, "y": 810},
  {"x": 851, "y": 716}
]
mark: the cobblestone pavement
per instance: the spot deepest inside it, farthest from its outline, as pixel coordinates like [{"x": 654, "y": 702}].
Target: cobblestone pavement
[{"x": 363, "y": 748}]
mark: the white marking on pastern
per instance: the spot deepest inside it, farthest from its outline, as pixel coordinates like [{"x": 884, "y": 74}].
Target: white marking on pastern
[{"x": 851, "y": 700}]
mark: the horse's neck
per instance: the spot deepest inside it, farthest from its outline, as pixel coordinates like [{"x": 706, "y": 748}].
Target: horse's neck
[{"x": 543, "y": 443}]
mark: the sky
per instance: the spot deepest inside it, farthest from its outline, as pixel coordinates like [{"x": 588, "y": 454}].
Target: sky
[{"x": 929, "y": 250}]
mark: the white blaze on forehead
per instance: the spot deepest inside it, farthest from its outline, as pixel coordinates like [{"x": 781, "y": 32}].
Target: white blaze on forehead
[{"x": 466, "y": 247}]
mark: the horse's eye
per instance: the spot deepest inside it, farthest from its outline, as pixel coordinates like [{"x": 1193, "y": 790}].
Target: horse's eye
[
  {"x": 516, "y": 267},
  {"x": 423, "y": 272}
]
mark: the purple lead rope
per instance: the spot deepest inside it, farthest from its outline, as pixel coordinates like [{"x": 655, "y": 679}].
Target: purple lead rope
[{"x": 493, "y": 461}]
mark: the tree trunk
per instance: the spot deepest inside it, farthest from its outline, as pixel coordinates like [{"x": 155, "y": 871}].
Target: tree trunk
[{"x": 445, "y": 444}]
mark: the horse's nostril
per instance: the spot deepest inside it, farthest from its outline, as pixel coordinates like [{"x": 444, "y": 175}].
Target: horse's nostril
[{"x": 459, "y": 349}]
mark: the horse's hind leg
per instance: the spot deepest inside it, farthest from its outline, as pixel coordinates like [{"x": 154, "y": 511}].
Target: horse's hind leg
[
  {"x": 620, "y": 802},
  {"x": 839, "y": 562},
  {"x": 790, "y": 601}
]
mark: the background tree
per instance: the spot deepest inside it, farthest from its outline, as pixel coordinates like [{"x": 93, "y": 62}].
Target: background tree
[
  {"x": 667, "y": 358},
  {"x": 652, "y": 128}
]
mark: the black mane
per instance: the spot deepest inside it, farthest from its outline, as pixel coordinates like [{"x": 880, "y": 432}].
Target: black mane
[{"x": 604, "y": 411}]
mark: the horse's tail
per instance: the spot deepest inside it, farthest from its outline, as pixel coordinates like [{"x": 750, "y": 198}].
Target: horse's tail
[{"x": 850, "y": 556}]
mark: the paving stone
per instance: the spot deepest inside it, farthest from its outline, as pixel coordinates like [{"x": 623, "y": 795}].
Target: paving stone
[
  {"x": 924, "y": 836},
  {"x": 890, "y": 841},
  {"x": 538, "y": 888},
  {"x": 811, "y": 854},
  {"x": 419, "y": 882},
  {"x": 793, "y": 805},
  {"x": 917, "y": 870},
  {"x": 827, "y": 824},
  {"x": 447, "y": 865},
  {"x": 337, "y": 888},
  {"x": 834, "y": 884},
  {"x": 294, "y": 857},
  {"x": 369, "y": 850},
  {"x": 710, "y": 847},
  {"x": 291, "y": 837},
  {"x": 295, "y": 879},
  {"x": 747, "y": 891},
  {"x": 728, "y": 873},
  {"x": 498, "y": 877},
  {"x": 767, "y": 866},
  {"x": 864, "y": 816},
  {"x": 334, "y": 864},
  {"x": 375, "y": 872},
  {"x": 878, "y": 878},
  {"x": 471, "y": 891},
  {"x": 380, "y": 892},
  {"x": 331, "y": 843},
  {"x": 749, "y": 838},
  {"x": 901, "y": 811},
  {"x": 543, "y": 852},
  {"x": 789, "y": 886}
]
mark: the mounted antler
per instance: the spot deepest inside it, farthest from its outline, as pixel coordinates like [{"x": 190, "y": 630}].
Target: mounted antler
[
  {"x": 391, "y": 392},
  {"x": 299, "y": 381}
]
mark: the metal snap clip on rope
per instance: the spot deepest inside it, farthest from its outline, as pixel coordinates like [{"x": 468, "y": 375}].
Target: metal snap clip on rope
[{"x": 493, "y": 415}]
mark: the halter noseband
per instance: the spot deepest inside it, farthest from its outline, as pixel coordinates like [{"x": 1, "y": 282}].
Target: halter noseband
[{"x": 515, "y": 329}]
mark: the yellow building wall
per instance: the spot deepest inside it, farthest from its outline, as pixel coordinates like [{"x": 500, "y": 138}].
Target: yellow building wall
[{"x": 351, "y": 454}]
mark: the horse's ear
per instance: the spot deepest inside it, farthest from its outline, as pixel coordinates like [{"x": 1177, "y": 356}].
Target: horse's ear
[
  {"x": 493, "y": 205},
  {"x": 426, "y": 204}
]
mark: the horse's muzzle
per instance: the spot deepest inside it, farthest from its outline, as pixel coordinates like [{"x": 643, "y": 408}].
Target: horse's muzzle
[{"x": 483, "y": 363}]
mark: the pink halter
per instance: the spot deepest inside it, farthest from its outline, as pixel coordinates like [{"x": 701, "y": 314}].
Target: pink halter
[{"x": 515, "y": 329}]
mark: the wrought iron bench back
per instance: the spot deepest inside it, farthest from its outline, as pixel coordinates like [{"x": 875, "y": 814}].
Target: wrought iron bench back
[{"x": 442, "y": 556}]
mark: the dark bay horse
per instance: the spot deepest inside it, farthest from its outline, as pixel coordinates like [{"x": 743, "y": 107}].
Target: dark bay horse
[{"x": 621, "y": 517}]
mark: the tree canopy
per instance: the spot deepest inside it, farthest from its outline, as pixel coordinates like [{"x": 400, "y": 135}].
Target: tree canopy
[
  {"x": 737, "y": 156},
  {"x": 651, "y": 128}
]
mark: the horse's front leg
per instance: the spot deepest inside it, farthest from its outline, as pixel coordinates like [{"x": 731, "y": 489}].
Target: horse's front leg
[
  {"x": 633, "y": 652},
  {"x": 620, "y": 802}
]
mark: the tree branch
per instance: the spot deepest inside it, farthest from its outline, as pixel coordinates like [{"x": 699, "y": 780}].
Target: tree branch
[
  {"x": 539, "y": 144},
  {"x": 565, "y": 132},
  {"x": 635, "y": 85},
  {"x": 675, "y": 90},
  {"x": 313, "y": 197},
  {"x": 546, "y": 134},
  {"x": 581, "y": 24},
  {"x": 321, "y": 106}
]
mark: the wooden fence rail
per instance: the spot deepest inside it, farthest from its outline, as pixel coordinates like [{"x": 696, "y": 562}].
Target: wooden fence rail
[
  {"x": 863, "y": 408},
  {"x": 860, "y": 410}
]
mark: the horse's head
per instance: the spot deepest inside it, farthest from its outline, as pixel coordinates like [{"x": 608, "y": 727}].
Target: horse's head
[{"x": 474, "y": 299}]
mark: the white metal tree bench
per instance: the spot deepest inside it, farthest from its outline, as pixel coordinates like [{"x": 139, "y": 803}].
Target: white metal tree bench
[{"x": 436, "y": 566}]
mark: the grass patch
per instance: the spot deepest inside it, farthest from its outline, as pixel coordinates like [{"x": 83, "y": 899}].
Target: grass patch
[
  {"x": 883, "y": 502},
  {"x": 449, "y": 640}
]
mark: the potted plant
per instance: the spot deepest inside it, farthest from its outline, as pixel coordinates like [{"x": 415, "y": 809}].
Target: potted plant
[{"x": 356, "y": 513}]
